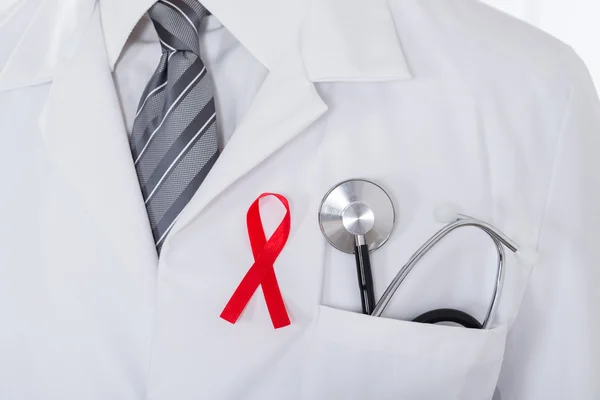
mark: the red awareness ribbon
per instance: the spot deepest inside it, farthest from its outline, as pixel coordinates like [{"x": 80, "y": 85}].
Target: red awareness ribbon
[{"x": 262, "y": 271}]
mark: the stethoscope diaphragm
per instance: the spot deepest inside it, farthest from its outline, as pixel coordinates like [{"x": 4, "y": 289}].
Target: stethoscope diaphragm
[{"x": 354, "y": 208}]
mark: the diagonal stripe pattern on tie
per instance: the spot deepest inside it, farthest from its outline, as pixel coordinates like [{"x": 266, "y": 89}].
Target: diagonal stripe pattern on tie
[{"x": 174, "y": 140}]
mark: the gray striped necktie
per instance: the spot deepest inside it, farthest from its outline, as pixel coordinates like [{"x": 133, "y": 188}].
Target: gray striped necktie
[{"x": 174, "y": 139}]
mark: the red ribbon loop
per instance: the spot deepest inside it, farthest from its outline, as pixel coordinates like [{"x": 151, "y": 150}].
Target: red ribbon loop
[{"x": 262, "y": 271}]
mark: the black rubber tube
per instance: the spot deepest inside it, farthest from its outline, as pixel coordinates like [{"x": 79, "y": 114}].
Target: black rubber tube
[
  {"x": 449, "y": 315},
  {"x": 365, "y": 278}
]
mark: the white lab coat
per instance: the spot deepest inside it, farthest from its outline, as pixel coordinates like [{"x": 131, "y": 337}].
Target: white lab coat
[{"x": 435, "y": 101}]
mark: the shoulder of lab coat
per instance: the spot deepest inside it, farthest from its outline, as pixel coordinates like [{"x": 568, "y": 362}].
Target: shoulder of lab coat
[
  {"x": 475, "y": 30},
  {"x": 553, "y": 350}
]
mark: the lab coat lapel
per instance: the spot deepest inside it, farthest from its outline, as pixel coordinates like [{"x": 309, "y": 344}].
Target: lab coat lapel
[
  {"x": 299, "y": 54},
  {"x": 84, "y": 130},
  {"x": 286, "y": 105}
]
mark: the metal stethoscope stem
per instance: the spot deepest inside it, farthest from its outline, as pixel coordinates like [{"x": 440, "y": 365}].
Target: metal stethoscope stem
[{"x": 500, "y": 240}]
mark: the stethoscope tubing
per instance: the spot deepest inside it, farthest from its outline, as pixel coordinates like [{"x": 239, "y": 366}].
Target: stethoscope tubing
[
  {"x": 500, "y": 240},
  {"x": 365, "y": 275}
]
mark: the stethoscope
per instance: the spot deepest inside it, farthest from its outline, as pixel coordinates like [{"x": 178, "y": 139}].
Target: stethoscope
[{"x": 357, "y": 216}]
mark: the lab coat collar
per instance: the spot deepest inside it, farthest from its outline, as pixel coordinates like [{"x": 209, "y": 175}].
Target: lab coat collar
[
  {"x": 335, "y": 37},
  {"x": 37, "y": 35}
]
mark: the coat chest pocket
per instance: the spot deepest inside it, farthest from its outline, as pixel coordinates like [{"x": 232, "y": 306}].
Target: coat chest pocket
[{"x": 354, "y": 356}]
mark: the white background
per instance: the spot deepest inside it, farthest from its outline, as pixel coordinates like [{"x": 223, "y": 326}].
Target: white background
[{"x": 576, "y": 22}]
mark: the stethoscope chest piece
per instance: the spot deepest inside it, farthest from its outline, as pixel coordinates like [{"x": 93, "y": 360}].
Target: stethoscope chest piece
[
  {"x": 357, "y": 216},
  {"x": 354, "y": 208}
]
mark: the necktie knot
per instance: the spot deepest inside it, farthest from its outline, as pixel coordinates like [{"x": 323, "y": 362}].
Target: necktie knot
[{"x": 177, "y": 23}]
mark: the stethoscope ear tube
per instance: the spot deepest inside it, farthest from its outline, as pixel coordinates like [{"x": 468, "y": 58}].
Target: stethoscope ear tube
[
  {"x": 449, "y": 315},
  {"x": 461, "y": 317}
]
